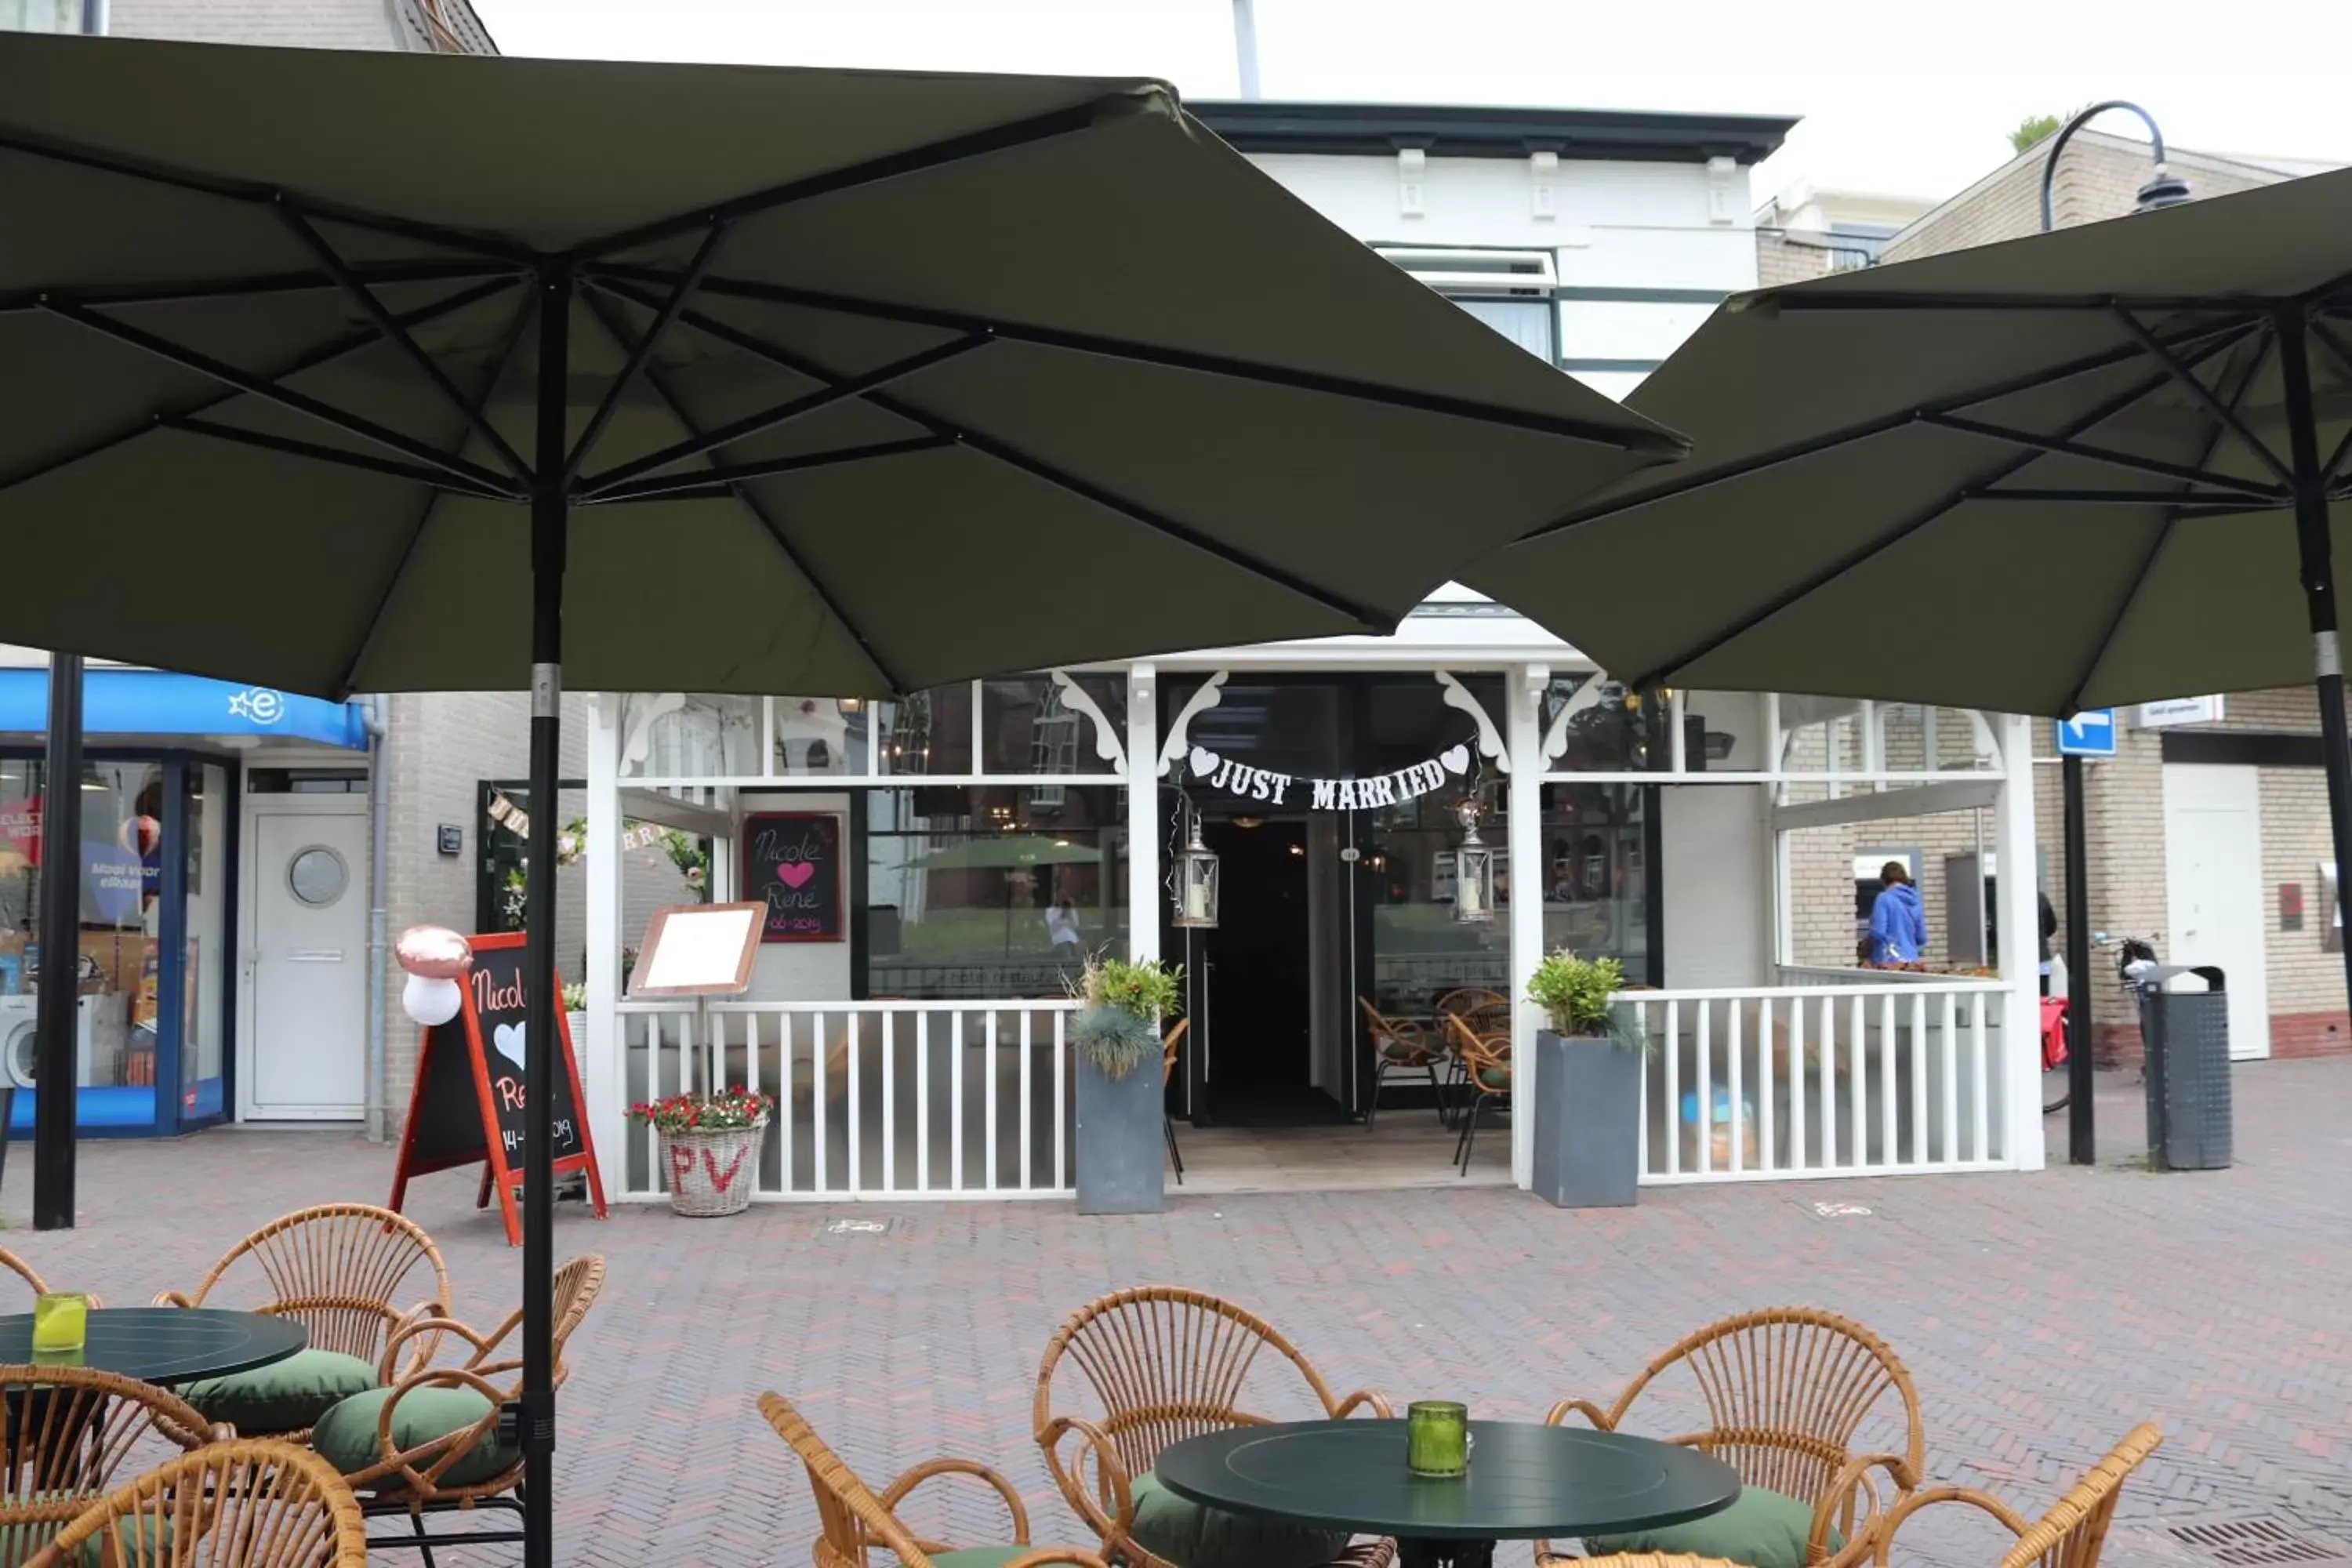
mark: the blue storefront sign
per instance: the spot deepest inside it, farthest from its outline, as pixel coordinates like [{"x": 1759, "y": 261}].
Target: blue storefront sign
[{"x": 157, "y": 702}]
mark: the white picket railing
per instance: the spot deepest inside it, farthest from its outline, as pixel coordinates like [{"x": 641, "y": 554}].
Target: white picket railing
[
  {"x": 1781, "y": 1082},
  {"x": 874, "y": 1100}
]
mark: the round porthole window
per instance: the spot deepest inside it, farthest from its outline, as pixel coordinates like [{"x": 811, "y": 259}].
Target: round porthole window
[{"x": 316, "y": 876}]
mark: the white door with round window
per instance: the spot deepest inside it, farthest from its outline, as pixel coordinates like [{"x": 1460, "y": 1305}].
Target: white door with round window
[{"x": 302, "y": 1007}]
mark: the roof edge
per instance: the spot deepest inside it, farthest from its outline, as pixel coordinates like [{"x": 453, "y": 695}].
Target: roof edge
[{"x": 1466, "y": 130}]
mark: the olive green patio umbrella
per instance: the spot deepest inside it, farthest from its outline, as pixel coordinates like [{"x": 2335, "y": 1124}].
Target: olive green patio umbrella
[
  {"x": 2088, "y": 468},
  {"x": 394, "y": 372}
]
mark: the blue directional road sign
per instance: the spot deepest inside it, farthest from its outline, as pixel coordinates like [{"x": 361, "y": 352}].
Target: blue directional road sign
[{"x": 2091, "y": 735}]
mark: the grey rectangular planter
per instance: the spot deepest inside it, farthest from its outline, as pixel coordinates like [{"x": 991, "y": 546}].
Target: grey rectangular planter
[
  {"x": 1588, "y": 1121},
  {"x": 1119, "y": 1140}
]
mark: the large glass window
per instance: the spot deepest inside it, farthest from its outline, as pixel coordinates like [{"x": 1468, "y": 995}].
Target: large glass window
[
  {"x": 928, "y": 732},
  {"x": 1424, "y": 952},
  {"x": 672, "y": 735},
  {"x": 819, "y": 737},
  {"x": 40, "y": 15},
  {"x": 1596, "y": 875},
  {"x": 992, "y": 892},
  {"x": 1031, "y": 724}
]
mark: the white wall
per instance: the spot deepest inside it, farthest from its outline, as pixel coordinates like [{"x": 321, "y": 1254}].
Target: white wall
[{"x": 1718, "y": 869}]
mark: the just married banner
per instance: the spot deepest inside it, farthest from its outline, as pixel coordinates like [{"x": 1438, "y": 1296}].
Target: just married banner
[{"x": 1246, "y": 782}]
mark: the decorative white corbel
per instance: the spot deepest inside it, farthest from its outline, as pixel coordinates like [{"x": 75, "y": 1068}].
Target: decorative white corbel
[
  {"x": 1490, "y": 740},
  {"x": 1412, "y": 167},
  {"x": 1211, "y": 692},
  {"x": 1106, "y": 741},
  {"x": 638, "y": 744},
  {"x": 1555, "y": 741},
  {"x": 1543, "y": 187}
]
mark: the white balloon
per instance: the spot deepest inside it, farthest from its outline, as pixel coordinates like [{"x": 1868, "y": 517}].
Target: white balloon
[{"x": 431, "y": 1001}]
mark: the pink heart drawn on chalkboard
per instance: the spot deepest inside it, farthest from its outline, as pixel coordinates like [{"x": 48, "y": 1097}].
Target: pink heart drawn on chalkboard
[{"x": 792, "y": 873}]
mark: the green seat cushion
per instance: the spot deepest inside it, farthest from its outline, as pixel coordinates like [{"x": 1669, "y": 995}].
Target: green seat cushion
[
  {"x": 1192, "y": 1536},
  {"x": 980, "y": 1556},
  {"x": 1761, "y": 1528},
  {"x": 345, "y": 1435},
  {"x": 287, "y": 1395},
  {"x": 1495, "y": 1077}
]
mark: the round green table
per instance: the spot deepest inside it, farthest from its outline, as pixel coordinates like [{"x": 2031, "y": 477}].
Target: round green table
[
  {"x": 167, "y": 1345},
  {"x": 1525, "y": 1481}
]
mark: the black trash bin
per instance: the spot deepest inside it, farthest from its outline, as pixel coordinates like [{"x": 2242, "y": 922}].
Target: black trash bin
[{"x": 2187, "y": 1035}]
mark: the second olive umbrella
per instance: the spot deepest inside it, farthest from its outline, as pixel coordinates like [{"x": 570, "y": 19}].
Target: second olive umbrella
[{"x": 387, "y": 372}]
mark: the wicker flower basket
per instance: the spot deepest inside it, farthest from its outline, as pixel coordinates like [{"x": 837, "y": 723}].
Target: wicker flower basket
[{"x": 712, "y": 1173}]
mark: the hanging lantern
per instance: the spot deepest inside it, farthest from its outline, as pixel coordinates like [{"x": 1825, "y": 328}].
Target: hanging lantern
[
  {"x": 1196, "y": 880},
  {"x": 1474, "y": 872}
]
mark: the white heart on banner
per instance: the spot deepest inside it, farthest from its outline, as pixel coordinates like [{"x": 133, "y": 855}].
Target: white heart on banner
[
  {"x": 1455, "y": 758},
  {"x": 1205, "y": 762}
]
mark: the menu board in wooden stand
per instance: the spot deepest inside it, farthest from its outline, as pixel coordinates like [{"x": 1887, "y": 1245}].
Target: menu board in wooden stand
[
  {"x": 699, "y": 950},
  {"x": 468, "y": 1105}
]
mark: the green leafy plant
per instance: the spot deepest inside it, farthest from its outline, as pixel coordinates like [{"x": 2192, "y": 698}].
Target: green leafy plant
[
  {"x": 1575, "y": 994},
  {"x": 575, "y": 996},
  {"x": 1118, "y": 1026}
]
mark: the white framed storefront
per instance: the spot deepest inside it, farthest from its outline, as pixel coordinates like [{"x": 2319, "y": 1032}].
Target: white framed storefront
[{"x": 1761, "y": 1067}]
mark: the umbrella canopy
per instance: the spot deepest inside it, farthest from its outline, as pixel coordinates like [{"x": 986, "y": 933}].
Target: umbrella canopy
[
  {"x": 870, "y": 381},
  {"x": 2034, "y": 477},
  {"x": 386, "y": 371}
]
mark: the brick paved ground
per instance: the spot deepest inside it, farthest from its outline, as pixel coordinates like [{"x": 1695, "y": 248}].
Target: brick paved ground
[{"x": 2041, "y": 1316}]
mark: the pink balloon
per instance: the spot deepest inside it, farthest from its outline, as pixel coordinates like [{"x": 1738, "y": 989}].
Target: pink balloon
[{"x": 437, "y": 953}]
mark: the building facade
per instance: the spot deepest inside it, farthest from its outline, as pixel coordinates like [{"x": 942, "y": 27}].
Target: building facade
[{"x": 934, "y": 868}]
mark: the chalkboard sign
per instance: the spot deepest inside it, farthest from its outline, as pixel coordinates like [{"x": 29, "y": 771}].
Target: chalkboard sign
[
  {"x": 468, "y": 1107},
  {"x": 792, "y": 863}
]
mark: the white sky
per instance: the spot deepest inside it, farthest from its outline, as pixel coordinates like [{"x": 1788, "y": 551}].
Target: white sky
[{"x": 1910, "y": 97}]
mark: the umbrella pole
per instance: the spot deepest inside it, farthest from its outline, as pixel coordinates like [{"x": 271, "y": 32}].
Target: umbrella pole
[
  {"x": 2311, "y": 535},
  {"x": 536, "y": 1414}
]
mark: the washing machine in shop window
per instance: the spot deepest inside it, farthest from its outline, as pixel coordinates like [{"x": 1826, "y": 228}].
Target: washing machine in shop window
[{"x": 18, "y": 1045}]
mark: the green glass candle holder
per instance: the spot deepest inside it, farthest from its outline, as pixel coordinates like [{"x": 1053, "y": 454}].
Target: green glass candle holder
[
  {"x": 60, "y": 1322},
  {"x": 1437, "y": 1439}
]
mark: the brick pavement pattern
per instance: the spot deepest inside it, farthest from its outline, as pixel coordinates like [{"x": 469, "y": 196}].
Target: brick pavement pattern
[{"x": 2040, "y": 1315}]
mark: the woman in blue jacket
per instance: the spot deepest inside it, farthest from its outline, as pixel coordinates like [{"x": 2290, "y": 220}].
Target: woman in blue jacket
[{"x": 1899, "y": 923}]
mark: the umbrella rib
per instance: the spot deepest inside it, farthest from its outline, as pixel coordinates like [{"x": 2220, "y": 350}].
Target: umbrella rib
[
  {"x": 2164, "y": 533},
  {"x": 2214, "y": 407},
  {"x": 1897, "y": 535},
  {"x": 270, "y": 390},
  {"x": 259, "y": 195},
  {"x": 327, "y": 354},
  {"x": 2098, "y": 455},
  {"x": 607, "y": 318},
  {"x": 642, "y": 351},
  {"x": 2333, "y": 347},
  {"x": 594, "y": 487},
  {"x": 2231, "y": 502},
  {"x": 391, "y": 590},
  {"x": 2106, "y": 359},
  {"x": 398, "y": 335},
  {"x": 173, "y": 293},
  {"x": 889, "y": 166},
  {"x": 1014, "y": 458},
  {"x": 704, "y": 479},
  {"x": 291, "y": 447},
  {"x": 1591, "y": 431}
]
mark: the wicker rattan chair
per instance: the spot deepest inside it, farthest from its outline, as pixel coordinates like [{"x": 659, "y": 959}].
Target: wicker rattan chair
[
  {"x": 25, "y": 1271},
  {"x": 1164, "y": 1363},
  {"x": 1400, "y": 1045},
  {"x": 339, "y": 1269},
  {"x": 854, "y": 1521},
  {"x": 1486, "y": 1070},
  {"x": 2071, "y": 1535},
  {"x": 1784, "y": 1391},
  {"x": 249, "y": 1504},
  {"x": 397, "y": 1447},
  {"x": 1170, "y": 1045},
  {"x": 66, "y": 1431}
]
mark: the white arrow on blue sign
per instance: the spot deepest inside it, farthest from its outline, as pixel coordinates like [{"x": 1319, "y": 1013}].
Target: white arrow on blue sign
[{"x": 2090, "y": 734}]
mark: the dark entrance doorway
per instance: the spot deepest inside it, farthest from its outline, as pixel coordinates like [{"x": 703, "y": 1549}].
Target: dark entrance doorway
[{"x": 1257, "y": 967}]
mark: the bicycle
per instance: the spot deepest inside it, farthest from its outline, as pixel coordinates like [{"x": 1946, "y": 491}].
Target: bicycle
[{"x": 2136, "y": 955}]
